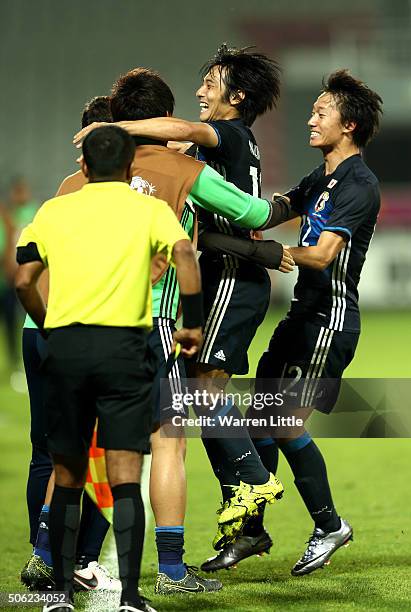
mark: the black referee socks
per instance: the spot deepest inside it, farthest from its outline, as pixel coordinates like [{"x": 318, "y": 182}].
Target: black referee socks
[
  {"x": 128, "y": 526},
  {"x": 64, "y": 521}
]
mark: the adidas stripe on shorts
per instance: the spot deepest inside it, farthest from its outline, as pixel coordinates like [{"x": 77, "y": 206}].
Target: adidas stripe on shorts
[
  {"x": 160, "y": 341},
  {"x": 235, "y": 303}
]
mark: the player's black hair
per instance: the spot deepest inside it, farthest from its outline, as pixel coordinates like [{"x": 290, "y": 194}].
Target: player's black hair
[
  {"x": 96, "y": 109},
  {"x": 255, "y": 74},
  {"x": 141, "y": 94},
  {"x": 108, "y": 151},
  {"x": 356, "y": 103}
]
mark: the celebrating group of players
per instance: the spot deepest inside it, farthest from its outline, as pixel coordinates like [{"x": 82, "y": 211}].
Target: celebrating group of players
[{"x": 97, "y": 238}]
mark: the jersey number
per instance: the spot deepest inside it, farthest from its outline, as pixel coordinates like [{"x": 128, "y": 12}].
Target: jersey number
[
  {"x": 256, "y": 180},
  {"x": 303, "y": 239},
  {"x": 297, "y": 371}
]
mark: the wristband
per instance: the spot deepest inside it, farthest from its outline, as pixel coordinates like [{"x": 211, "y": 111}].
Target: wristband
[
  {"x": 267, "y": 253},
  {"x": 280, "y": 211},
  {"x": 193, "y": 310},
  {"x": 281, "y": 200}
]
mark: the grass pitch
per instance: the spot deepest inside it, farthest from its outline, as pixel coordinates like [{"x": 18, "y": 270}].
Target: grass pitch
[{"x": 370, "y": 481}]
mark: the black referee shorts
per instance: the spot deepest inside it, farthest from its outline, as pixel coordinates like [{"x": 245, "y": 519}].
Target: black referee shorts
[
  {"x": 98, "y": 372},
  {"x": 305, "y": 362}
]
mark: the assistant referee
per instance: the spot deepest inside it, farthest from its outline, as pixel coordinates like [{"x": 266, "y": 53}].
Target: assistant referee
[{"x": 98, "y": 244}]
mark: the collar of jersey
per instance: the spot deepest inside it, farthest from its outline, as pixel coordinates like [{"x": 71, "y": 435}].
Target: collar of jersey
[
  {"x": 106, "y": 185},
  {"x": 343, "y": 167}
]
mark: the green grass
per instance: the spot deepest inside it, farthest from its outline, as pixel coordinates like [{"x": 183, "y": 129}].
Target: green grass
[{"x": 370, "y": 480}]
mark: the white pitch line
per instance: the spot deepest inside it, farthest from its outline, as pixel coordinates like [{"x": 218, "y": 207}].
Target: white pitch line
[{"x": 101, "y": 601}]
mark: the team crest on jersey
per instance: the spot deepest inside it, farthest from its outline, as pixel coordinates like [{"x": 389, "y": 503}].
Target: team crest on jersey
[
  {"x": 321, "y": 202},
  {"x": 142, "y": 186},
  {"x": 254, "y": 150}
]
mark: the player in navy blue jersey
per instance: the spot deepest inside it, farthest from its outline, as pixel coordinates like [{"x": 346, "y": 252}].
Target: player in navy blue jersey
[
  {"x": 238, "y": 86},
  {"x": 236, "y": 292},
  {"x": 338, "y": 204}
]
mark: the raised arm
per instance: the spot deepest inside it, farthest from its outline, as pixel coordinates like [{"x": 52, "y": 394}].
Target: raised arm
[
  {"x": 213, "y": 193},
  {"x": 161, "y": 128}
]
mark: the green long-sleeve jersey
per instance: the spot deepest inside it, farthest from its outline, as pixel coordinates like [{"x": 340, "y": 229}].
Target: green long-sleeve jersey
[{"x": 211, "y": 192}]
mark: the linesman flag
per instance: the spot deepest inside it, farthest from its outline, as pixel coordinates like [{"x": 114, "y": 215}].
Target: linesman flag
[{"x": 97, "y": 486}]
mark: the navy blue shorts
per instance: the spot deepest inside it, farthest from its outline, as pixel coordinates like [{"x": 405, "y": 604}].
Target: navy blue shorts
[
  {"x": 300, "y": 354},
  {"x": 170, "y": 373},
  {"x": 235, "y": 303}
]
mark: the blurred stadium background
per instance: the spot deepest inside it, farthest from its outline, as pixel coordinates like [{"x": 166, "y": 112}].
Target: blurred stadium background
[{"x": 57, "y": 55}]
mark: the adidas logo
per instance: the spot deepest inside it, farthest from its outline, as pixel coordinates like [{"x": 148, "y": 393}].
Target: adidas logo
[{"x": 220, "y": 355}]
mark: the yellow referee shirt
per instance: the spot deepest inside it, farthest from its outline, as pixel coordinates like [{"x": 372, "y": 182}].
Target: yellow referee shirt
[{"x": 98, "y": 243}]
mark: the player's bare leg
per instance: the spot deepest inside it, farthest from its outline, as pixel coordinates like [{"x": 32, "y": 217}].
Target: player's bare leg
[
  {"x": 168, "y": 474},
  {"x": 168, "y": 500}
]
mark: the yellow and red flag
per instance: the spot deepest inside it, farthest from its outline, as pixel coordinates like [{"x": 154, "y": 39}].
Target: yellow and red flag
[{"x": 97, "y": 485}]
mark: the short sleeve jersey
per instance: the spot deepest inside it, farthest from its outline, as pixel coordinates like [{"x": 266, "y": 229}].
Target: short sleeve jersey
[
  {"x": 98, "y": 243},
  {"x": 237, "y": 159},
  {"x": 346, "y": 202}
]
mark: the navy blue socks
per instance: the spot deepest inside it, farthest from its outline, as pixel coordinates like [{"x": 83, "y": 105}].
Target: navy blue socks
[
  {"x": 42, "y": 546},
  {"x": 311, "y": 480},
  {"x": 170, "y": 548},
  {"x": 239, "y": 451}
]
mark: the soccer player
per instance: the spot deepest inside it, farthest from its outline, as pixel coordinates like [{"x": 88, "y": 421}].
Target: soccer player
[
  {"x": 98, "y": 315},
  {"x": 38, "y": 572},
  {"x": 237, "y": 87},
  {"x": 338, "y": 204},
  {"x": 139, "y": 94}
]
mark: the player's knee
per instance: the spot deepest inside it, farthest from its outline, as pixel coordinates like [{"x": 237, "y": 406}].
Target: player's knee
[
  {"x": 123, "y": 467},
  {"x": 70, "y": 471},
  {"x": 169, "y": 441}
]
